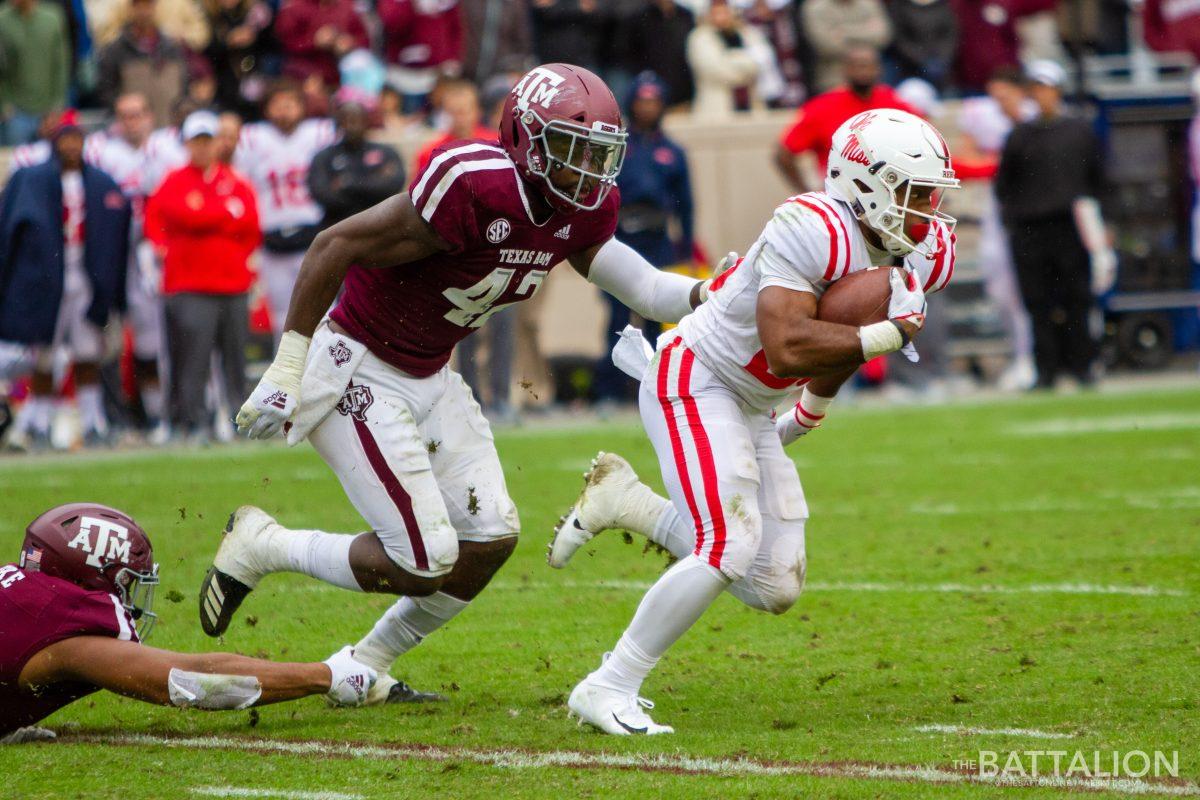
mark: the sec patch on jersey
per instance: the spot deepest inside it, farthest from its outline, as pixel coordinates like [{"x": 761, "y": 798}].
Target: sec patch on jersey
[{"x": 860, "y": 298}]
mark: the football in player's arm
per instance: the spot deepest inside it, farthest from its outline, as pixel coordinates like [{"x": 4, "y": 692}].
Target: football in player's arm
[{"x": 76, "y": 608}]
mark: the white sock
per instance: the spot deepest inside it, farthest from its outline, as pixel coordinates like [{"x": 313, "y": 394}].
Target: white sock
[
  {"x": 324, "y": 556},
  {"x": 670, "y": 531},
  {"x": 640, "y": 510},
  {"x": 34, "y": 416},
  {"x": 152, "y": 402},
  {"x": 404, "y": 625},
  {"x": 91, "y": 408},
  {"x": 668, "y": 610}
]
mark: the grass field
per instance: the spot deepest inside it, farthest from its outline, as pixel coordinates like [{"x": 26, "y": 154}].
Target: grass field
[{"x": 998, "y": 577}]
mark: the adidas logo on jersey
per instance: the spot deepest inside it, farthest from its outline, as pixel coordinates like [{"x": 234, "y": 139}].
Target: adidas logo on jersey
[{"x": 563, "y": 233}]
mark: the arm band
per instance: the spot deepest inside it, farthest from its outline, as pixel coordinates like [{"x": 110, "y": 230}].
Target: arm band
[
  {"x": 880, "y": 339},
  {"x": 653, "y": 294},
  {"x": 212, "y": 692}
]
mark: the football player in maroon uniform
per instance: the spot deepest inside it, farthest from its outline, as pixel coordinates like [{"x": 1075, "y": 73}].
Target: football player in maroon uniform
[
  {"x": 74, "y": 613},
  {"x": 479, "y": 229}
]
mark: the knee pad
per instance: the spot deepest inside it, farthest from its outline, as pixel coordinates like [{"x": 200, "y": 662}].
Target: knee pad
[
  {"x": 743, "y": 535},
  {"x": 439, "y": 541},
  {"x": 781, "y": 592}
]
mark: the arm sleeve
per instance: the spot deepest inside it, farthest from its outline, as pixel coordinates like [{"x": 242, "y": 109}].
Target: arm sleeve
[
  {"x": 800, "y": 249},
  {"x": 655, "y": 295},
  {"x": 444, "y": 197}
]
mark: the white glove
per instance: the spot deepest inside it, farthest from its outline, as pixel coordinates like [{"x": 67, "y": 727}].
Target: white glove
[
  {"x": 1104, "y": 270},
  {"x": 908, "y": 298},
  {"x": 724, "y": 265},
  {"x": 351, "y": 680},
  {"x": 805, "y": 416},
  {"x": 274, "y": 400}
]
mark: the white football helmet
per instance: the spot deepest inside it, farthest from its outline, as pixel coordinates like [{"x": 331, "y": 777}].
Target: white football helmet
[{"x": 880, "y": 154}]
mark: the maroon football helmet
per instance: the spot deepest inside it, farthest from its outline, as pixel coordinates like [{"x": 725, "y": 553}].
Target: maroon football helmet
[
  {"x": 560, "y": 116},
  {"x": 98, "y": 548}
]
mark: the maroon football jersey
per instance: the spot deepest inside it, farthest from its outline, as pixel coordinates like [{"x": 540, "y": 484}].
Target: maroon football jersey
[
  {"x": 36, "y": 611},
  {"x": 412, "y": 315}
]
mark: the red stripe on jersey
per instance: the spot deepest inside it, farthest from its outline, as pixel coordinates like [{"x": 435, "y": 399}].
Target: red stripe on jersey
[
  {"x": 395, "y": 491},
  {"x": 939, "y": 261},
  {"x": 704, "y": 454},
  {"x": 831, "y": 267},
  {"x": 950, "y": 270},
  {"x": 719, "y": 281},
  {"x": 842, "y": 227},
  {"x": 664, "y": 369}
]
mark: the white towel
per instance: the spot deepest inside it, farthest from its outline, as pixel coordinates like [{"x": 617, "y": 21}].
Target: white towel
[
  {"x": 333, "y": 358},
  {"x": 632, "y": 353}
]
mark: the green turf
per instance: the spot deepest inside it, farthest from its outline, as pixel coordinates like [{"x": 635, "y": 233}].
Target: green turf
[{"x": 908, "y": 498}]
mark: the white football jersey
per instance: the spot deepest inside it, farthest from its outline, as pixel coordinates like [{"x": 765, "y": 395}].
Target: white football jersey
[
  {"x": 28, "y": 155},
  {"x": 277, "y": 166},
  {"x": 124, "y": 163},
  {"x": 811, "y": 241},
  {"x": 165, "y": 153}
]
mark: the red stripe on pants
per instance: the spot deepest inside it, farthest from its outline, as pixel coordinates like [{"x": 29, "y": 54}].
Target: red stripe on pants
[
  {"x": 395, "y": 491},
  {"x": 708, "y": 467},
  {"x": 664, "y": 368}
]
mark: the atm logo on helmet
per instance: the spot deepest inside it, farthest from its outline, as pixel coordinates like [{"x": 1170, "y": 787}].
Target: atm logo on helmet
[
  {"x": 540, "y": 86},
  {"x": 111, "y": 541}
]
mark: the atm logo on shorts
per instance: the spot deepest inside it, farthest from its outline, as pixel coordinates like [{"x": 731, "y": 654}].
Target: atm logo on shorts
[
  {"x": 355, "y": 402},
  {"x": 340, "y": 353}
]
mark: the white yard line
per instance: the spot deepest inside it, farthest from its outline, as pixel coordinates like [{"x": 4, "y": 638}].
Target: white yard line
[
  {"x": 1029, "y": 733},
  {"x": 1069, "y": 426},
  {"x": 283, "y": 794},
  {"x": 846, "y": 586},
  {"x": 676, "y": 763}
]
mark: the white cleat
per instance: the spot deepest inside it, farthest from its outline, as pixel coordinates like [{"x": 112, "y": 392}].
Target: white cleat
[
  {"x": 611, "y": 711},
  {"x": 607, "y": 488},
  {"x": 235, "y": 570}
]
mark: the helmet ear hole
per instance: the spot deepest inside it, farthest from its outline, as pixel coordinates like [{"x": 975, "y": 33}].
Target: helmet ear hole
[{"x": 863, "y": 187}]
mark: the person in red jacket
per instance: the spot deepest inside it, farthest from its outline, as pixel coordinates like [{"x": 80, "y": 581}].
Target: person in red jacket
[
  {"x": 204, "y": 219},
  {"x": 315, "y": 34},
  {"x": 817, "y": 119}
]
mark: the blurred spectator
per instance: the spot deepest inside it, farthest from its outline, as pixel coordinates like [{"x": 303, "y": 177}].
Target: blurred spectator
[
  {"x": 314, "y": 34},
  {"x": 497, "y": 38},
  {"x": 1047, "y": 165},
  {"x": 143, "y": 59},
  {"x": 424, "y": 40},
  {"x": 1037, "y": 31},
  {"x": 229, "y": 130},
  {"x": 123, "y": 153},
  {"x": 654, "y": 34},
  {"x": 726, "y": 57},
  {"x": 240, "y": 46},
  {"x": 819, "y": 118},
  {"x": 459, "y": 105},
  {"x": 655, "y": 218},
  {"x": 165, "y": 150},
  {"x": 353, "y": 174},
  {"x": 988, "y": 31},
  {"x": 182, "y": 21},
  {"x": 1172, "y": 25},
  {"x": 36, "y": 152},
  {"x": 64, "y": 237},
  {"x": 275, "y": 156},
  {"x": 1095, "y": 26},
  {"x": 570, "y": 32},
  {"x": 780, "y": 25},
  {"x": 985, "y": 123},
  {"x": 205, "y": 220},
  {"x": 34, "y": 67},
  {"x": 924, "y": 41},
  {"x": 834, "y": 26},
  {"x": 1194, "y": 163}
]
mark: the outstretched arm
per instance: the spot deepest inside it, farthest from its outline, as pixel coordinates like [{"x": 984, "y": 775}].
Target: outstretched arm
[
  {"x": 142, "y": 672},
  {"x": 618, "y": 269},
  {"x": 384, "y": 235}
]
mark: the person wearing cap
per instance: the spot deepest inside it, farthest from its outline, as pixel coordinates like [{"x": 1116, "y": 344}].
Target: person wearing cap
[
  {"x": 656, "y": 199},
  {"x": 204, "y": 219},
  {"x": 64, "y": 238},
  {"x": 353, "y": 174},
  {"x": 1050, "y": 170}
]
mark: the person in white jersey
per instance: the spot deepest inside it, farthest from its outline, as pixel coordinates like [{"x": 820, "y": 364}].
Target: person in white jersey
[
  {"x": 275, "y": 155},
  {"x": 736, "y": 514}
]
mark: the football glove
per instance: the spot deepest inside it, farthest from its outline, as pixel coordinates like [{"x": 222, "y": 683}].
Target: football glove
[
  {"x": 274, "y": 400},
  {"x": 350, "y": 680},
  {"x": 724, "y": 265},
  {"x": 805, "y": 416}
]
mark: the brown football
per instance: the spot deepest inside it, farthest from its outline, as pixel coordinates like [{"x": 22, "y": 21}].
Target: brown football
[{"x": 860, "y": 298}]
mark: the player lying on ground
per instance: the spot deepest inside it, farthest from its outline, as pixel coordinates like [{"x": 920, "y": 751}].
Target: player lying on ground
[
  {"x": 479, "y": 230},
  {"x": 75, "y": 611},
  {"x": 736, "y": 514}
]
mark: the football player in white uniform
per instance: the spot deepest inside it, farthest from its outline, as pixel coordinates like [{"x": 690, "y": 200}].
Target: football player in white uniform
[
  {"x": 736, "y": 513},
  {"x": 275, "y": 155}
]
